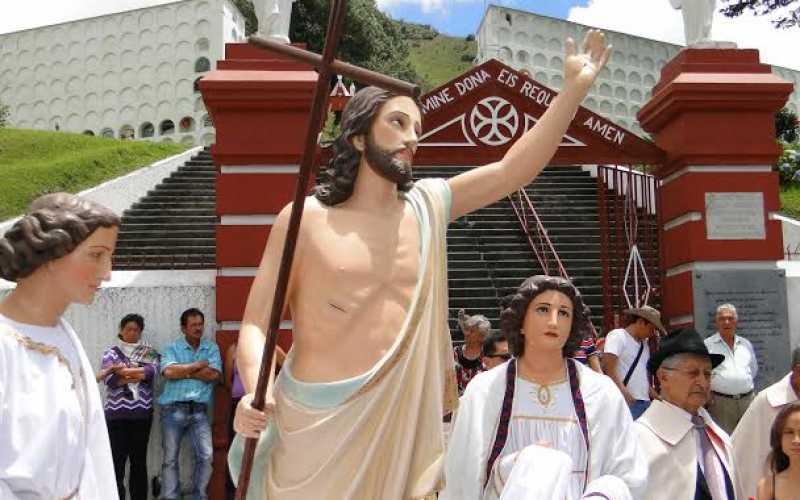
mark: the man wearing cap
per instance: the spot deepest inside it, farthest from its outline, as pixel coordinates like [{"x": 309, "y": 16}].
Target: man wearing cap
[
  {"x": 626, "y": 354},
  {"x": 751, "y": 438},
  {"x": 688, "y": 455}
]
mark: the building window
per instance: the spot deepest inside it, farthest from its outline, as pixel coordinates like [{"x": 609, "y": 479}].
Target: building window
[
  {"x": 207, "y": 121},
  {"x": 197, "y": 84},
  {"x": 166, "y": 127},
  {"x": 186, "y": 124},
  {"x": 107, "y": 132},
  {"x": 88, "y": 132},
  {"x": 147, "y": 130},
  {"x": 126, "y": 132},
  {"x": 202, "y": 65}
]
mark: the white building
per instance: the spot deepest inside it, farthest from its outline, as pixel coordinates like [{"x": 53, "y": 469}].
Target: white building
[
  {"x": 129, "y": 74},
  {"x": 535, "y": 44}
]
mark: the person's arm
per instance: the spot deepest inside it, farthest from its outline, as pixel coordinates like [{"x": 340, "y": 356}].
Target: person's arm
[
  {"x": 177, "y": 371},
  {"x": 482, "y": 186},
  {"x": 753, "y": 360},
  {"x": 212, "y": 372},
  {"x": 253, "y": 332},
  {"x": 594, "y": 362},
  {"x": 764, "y": 490},
  {"x": 128, "y": 375},
  {"x": 610, "y": 360}
]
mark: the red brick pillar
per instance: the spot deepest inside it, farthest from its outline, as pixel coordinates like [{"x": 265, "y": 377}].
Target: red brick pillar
[
  {"x": 259, "y": 104},
  {"x": 713, "y": 112}
]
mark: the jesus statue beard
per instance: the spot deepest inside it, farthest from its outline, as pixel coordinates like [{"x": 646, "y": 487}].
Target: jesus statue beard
[{"x": 386, "y": 165}]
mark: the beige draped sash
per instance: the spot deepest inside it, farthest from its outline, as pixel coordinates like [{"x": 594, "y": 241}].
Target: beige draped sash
[{"x": 385, "y": 441}]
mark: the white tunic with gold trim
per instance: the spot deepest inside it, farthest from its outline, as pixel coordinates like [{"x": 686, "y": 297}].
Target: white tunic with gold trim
[{"x": 53, "y": 437}]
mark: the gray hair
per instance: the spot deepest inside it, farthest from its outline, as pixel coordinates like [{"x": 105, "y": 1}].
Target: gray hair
[
  {"x": 478, "y": 322},
  {"x": 796, "y": 356},
  {"x": 673, "y": 361},
  {"x": 727, "y": 307}
]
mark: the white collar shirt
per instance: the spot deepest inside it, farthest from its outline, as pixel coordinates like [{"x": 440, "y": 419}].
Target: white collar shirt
[
  {"x": 696, "y": 436},
  {"x": 735, "y": 375}
]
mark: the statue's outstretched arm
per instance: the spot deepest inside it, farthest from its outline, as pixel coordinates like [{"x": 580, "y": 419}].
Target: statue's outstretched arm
[{"x": 482, "y": 186}]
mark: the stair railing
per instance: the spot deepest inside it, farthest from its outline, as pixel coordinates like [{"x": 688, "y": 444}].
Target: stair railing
[
  {"x": 537, "y": 238},
  {"x": 629, "y": 238},
  {"x": 544, "y": 250}
]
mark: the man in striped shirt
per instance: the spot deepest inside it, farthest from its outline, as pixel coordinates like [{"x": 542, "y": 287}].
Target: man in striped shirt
[{"x": 191, "y": 366}]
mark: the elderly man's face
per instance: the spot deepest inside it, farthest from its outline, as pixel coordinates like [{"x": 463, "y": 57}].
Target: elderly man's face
[
  {"x": 473, "y": 335},
  {"x": 688, "y": 384},
  {"x": 726, "y": 323}
]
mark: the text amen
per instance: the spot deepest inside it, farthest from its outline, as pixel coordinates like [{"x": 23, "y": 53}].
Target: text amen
[{"x": 606, "y": 130}]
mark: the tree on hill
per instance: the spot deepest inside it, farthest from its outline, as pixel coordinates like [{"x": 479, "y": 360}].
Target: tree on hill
[
  {"x": 370, "y": 39},
  {"x": 249, "y": 13},
  {"x": 787, "y": 17},
  {"x": 786, "y": 125}
]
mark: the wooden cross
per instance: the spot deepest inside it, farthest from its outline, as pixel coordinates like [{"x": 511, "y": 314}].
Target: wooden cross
[{"x": 326, "y": 65}]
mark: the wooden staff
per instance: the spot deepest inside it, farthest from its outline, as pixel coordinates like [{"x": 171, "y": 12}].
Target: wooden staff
[
  {"x": 357, "y": 73},
  {"x": 326, "y": 66}
]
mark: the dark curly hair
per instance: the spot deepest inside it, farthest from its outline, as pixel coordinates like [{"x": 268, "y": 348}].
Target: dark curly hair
[
  {"x": 54, "y": 225},
  {"x": 512, "y": 318},
  {"x": 777, "y": 459},
  {"x": 357, "y": 119}
]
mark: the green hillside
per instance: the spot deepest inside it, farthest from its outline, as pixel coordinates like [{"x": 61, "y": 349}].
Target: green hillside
[
  {"x": 440, "y": 59},
  {"x": 35, "y": 162}
]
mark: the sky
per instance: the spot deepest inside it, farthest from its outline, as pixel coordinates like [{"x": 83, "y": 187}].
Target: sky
[{"x": 654, "y": 19}]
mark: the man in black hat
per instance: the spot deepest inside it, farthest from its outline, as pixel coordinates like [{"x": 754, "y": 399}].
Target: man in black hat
[{"x": 689, "y": 456}]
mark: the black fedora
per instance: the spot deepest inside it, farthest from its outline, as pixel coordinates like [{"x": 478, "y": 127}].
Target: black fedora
[{"x": 684, "y": 340}]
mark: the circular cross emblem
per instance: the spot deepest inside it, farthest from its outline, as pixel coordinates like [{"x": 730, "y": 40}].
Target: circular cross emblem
[{"x": 494, "y": 121}]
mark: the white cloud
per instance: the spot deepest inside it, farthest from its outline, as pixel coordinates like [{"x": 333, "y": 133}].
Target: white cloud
[
  {"x": 656, "y": 19},
  {"x": 34, "y": 13}
]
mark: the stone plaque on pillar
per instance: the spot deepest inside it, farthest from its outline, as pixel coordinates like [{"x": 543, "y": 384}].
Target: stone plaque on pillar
[
  {"x": 735, "y": 216},
  {"x": 760, "y": 300}
]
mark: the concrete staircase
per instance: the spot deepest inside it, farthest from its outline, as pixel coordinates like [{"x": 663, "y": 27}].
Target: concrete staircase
[
  {"x": 172, "y": 227},
  {"x": 489, "y": 256}
]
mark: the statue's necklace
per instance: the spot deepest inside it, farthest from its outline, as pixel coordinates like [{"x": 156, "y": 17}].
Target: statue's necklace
[{"x": 544, "y": 394}]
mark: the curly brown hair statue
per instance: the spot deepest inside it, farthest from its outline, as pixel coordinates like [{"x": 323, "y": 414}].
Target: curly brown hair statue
[
  {"x": 54, "y": 225},
  {"x": 777, "y": 459},
  {"x": 357, "y": 119},
  {"x": 512, "y": 318}
]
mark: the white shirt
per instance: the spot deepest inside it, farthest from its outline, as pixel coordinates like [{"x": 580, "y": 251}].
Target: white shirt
[
  {"x": 736, "y": 374},
  {"x": 625, "y": 347},
  {"x": 699, "y": 447}
]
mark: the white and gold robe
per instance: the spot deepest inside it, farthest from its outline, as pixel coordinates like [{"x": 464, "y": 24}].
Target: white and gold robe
[
  {"x": 751, "y": 437},
  {"x": 385, "y": 439},
  {"x": 53, "y": 436},
  {"x": 614, "y": 456}
]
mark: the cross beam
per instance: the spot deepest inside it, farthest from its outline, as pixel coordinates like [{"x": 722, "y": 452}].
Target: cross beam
[{"x": 326, "y": 65}]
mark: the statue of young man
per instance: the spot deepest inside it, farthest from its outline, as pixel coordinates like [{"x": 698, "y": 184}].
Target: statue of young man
[{"x": 357, "y": 408}]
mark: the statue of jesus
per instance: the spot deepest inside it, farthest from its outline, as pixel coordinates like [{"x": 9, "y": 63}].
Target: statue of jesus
[
  {"x": 356, "y": 411},
  {"x": 697, "y": 18},
  {"x": 274, "y": 17}
]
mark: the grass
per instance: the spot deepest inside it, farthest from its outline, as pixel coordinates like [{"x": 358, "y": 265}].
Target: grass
[
  {"x": 441, "y": 59},
  {"x": 34, "y": 162},
  {"x": 790, "y": 201}
]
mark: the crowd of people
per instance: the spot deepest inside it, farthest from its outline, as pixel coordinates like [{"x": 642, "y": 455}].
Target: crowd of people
[{"x": 364, "y": 397}]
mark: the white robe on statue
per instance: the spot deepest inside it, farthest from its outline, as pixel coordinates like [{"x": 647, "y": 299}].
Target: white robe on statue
[
  {"x": 53, "y": 436},
  {"x": 617, "y": 468},
  {"x": 751, "y": 437}
]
